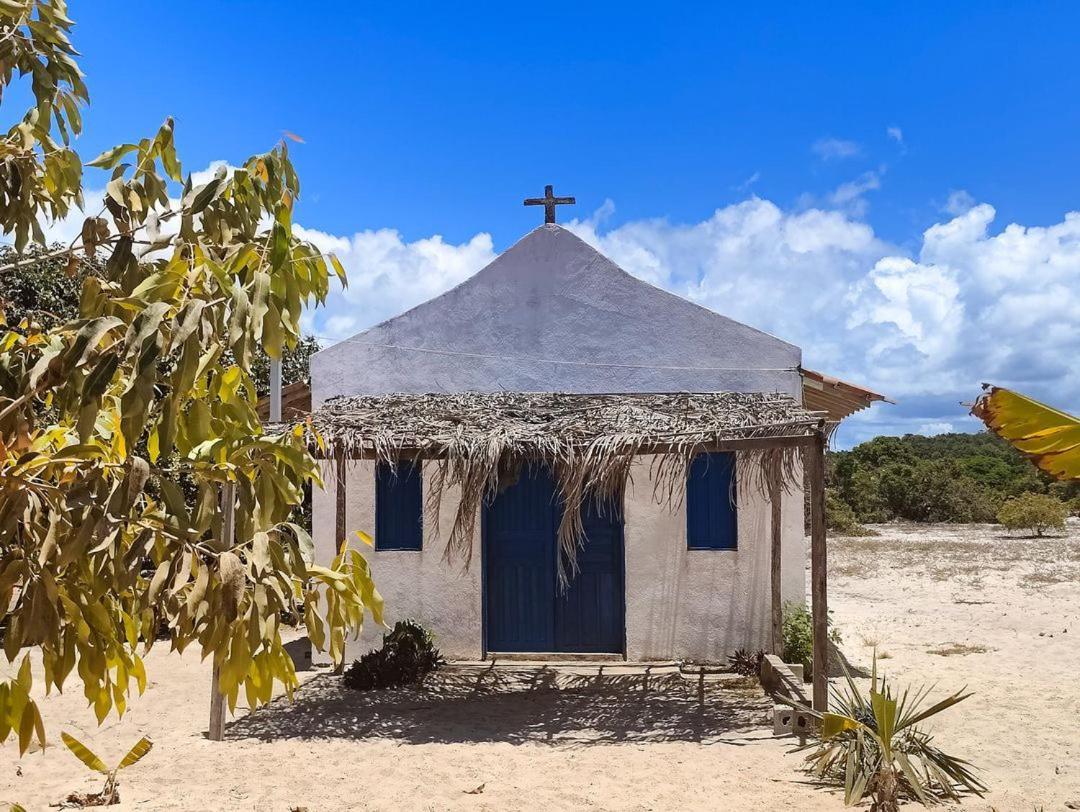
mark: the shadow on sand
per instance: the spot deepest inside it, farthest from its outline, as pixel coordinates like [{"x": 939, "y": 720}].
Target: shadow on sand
[{"x": 519, "y": 705}]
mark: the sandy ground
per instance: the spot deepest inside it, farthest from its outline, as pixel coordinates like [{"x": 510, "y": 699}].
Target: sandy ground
[{"x": 956, "y": 605}]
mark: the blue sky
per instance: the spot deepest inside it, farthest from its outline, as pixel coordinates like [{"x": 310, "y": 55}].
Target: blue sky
[{"x": 842, "y": 175}]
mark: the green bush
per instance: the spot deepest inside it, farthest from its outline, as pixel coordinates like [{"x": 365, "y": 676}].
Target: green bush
[
  {"x": 1036, "y": 512},
  {"x": 840, "y": 518},
  {"x": 798, "y": 637},
  {"x": 407, "y": 656}
]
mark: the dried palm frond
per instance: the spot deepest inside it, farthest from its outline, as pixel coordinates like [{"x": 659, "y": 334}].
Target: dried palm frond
[
  {"x": 589, "y": 442},
  {"x": 1048, "y": 437}
]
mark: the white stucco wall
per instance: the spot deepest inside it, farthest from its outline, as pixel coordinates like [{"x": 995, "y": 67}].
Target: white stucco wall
[
  {"x": 703, "y": 604},
  {"x": 680, "y": 604},
  {"x": 419, "y": 585}
]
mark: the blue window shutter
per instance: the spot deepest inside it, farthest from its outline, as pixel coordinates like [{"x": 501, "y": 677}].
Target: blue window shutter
[
  {"x": 399, "y": 508},
  {"x": 711, "y": 513}
]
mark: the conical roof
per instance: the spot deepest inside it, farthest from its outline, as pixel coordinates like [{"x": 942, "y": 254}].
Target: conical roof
[{"x": 552, "y": 314}]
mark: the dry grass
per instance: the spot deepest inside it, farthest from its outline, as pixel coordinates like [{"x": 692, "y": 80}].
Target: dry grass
[
  {"x": 1011, "y": 596},
  {"x": 959, "y": 649},
  {"x": 907, "y": 548},
  {"x": 1049, "y": 575}
]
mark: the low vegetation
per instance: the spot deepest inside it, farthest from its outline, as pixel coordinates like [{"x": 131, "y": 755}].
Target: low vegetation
[
  {"x": 959, "y": 649},
  {"x": 746, "y": 662},
  {"x": 798, "y": 637},
  {"x": 873, "y": 746},
  {"x": 946, "y": 478},
  {"x": 1035, "y": 512},
  {"x": 110, "y": 794},
  {"x": 840, "y": 518},
  {"x": 407, "y": 656}
]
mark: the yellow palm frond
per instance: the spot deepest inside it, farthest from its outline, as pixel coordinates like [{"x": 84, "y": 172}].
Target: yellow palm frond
[
  {"x": 1048, "y": 437},
  {"x": 141, "y": 748},
  {"x": 84, "y": 753}
]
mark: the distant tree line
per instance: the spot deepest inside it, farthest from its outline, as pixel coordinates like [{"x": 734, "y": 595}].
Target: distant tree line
[{"x": 945, "y": 478}]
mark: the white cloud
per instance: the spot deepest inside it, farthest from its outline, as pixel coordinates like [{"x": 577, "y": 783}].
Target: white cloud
[
  {"x": 939, "y": 427},
  {"x": 206, "y": 175},
  {"x": 920, "y": 303},
  {"x": 388, "y": 274},
  {"x": 895, "y": 133},
  {"x": 846, "y": 192},
  {"x": 849, "y": 196},
  {"x": 750, "y": 181},
  {"x": 959, "y": 202},
  {"x": 829, "y": 149}
]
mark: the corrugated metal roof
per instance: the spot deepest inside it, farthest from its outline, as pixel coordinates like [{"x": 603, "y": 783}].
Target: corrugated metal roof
[{"x": 837, "y": 398}]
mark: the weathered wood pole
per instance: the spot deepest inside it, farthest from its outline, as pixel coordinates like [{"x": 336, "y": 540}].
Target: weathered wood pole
[
  {"x": 339, "y": 504},
  {"x": 217, "y": 699},
  {"x": 776, "y": 531},
  {"x": 339, "y": 520},
  {"x": 818, "y": 575}
]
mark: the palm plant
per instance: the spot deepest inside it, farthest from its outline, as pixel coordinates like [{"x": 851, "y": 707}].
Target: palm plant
[
  {"x": 109, "y": 794},
  {"x": 874, "y": 745}
]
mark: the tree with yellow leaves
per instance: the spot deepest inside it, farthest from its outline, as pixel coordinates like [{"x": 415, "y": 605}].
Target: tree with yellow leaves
[{"x": 103, "y": 415}]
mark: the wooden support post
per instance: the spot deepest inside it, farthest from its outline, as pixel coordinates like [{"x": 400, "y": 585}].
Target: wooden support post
[
  {"x": 217, "y": 699},
  {"x": 776, "y": 531},
  {"x": 339, "y": 521},
  {"x": 339, "y": 512},
  {"x": 818, "y": 574}
]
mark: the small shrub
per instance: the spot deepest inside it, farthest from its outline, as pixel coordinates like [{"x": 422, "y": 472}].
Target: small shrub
[
  {"x": 798, "y": 633},
  {"x": 747, "y": 663},
  {"x": 873, "y": 744},
  {"x": 407, "y": 656},
  {"x": 1036, "y": 512},
  {"x": 110, "y": 794}
]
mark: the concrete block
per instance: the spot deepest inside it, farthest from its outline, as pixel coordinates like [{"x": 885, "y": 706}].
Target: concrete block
[
  {"x": 788, "y": 721},
  {"x": 779, "y": 678}
]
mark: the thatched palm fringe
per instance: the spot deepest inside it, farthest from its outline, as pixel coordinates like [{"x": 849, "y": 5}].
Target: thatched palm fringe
[{"x": 589, "y": 442}]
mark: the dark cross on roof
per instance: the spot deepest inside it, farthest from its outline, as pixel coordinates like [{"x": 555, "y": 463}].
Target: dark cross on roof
[{"x": 549, "y": 202}]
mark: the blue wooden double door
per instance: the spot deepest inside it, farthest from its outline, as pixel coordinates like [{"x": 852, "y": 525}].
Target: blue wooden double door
[{"x": 524, "y": 608}]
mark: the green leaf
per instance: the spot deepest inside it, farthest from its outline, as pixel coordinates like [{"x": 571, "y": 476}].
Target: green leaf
[
  {"x": 884, "y": 709},
  {"x": 833, "y": 724},
  {"x": 111, "y": 157},
  {"x": 202, "y": 196}
]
